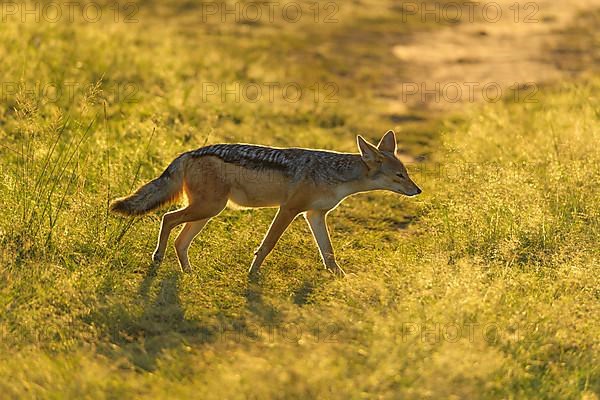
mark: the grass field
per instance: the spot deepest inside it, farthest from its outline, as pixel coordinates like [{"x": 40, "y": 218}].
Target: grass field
[{"x": 485, "y": 286}]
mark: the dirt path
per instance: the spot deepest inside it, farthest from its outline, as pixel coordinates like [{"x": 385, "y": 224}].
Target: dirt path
[{"x": 483, "y": 57}]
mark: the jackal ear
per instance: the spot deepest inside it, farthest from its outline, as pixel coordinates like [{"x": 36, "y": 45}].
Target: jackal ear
[
  {"x": 388, "y": 142},
  {"x": 368, "y": 152}
]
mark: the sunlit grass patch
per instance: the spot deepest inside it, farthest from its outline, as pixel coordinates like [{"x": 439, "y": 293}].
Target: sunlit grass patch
[{"x": 485, "y": 286}]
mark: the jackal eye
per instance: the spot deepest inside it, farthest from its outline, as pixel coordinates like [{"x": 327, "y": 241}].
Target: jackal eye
[{"x": 400, "y": 175}]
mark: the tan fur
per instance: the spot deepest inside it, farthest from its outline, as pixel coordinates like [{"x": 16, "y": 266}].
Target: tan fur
[
  {"x": 165, "y": 189},
  {"x": 209, "y": 183}
]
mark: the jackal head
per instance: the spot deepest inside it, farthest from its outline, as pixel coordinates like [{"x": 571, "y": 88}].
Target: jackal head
[{"x": 386, "y": 171}]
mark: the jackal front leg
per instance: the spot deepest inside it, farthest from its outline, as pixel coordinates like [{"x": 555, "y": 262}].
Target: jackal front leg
[
  {"x": 317, "y": 220},
  {"x": 280, "y": 223}
]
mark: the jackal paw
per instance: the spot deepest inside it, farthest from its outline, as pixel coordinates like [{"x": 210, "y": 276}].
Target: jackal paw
[
  {"x": 185, "y": 268},
  {"x": 157, "y": 259},
  {"x": 336, "y": 270}
]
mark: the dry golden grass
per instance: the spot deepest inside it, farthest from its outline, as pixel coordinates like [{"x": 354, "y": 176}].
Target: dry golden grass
[{"x": 487, "y": 286}]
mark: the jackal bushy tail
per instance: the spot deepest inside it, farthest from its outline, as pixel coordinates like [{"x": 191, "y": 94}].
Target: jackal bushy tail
[{"x": 156, "y": 193}]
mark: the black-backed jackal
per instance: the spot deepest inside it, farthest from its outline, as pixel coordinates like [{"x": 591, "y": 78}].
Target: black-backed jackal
[{"x": 297, "y": 181}]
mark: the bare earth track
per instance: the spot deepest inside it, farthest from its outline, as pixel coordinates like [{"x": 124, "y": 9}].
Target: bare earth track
[{"x": 479, "y": 58}]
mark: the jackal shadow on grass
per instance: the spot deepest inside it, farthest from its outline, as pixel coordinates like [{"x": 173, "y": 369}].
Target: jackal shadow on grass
[
  {"x": 264, "y": 312},
  {"x": 152, "y": 321},
  {"x": 145, "y": 326}
]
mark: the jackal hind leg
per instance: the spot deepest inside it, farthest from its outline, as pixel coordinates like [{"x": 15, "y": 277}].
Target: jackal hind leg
[
  {"x": 184, "y": 239},
  {"x": 195, "y": 212}
]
